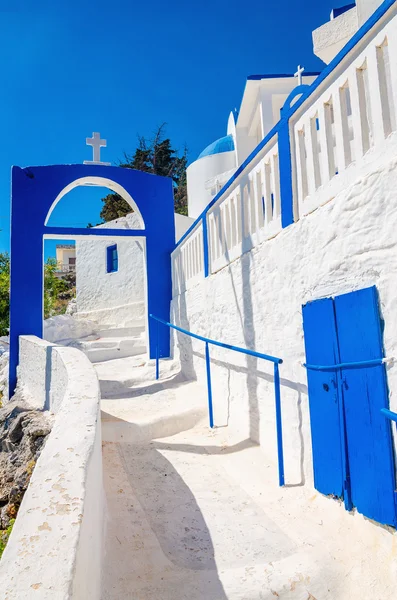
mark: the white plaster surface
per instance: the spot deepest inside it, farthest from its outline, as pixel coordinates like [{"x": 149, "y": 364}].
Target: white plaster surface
[
  {"x": 114, "y": 299},
  {"x": 42, "y": 373},
  {"x": 197, "y": 514},
  {"x": 182, "y": 224},
  {"x": 256, "y": 302},
  {"x": 66, "y": 327},
  {"x": 55, "y": 549},
  {"x": 330, "y": 38},
  {"x": 365, "y": 8},
  {"x": 201, "y": 178}
]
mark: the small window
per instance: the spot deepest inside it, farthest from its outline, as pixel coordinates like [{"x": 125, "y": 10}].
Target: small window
[{"x": 112, "y": 259}]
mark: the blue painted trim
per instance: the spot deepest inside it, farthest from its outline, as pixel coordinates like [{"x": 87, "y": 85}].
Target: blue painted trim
[
  {"x": 157, "y": 351},
  {"x": 299, "y": 90},
  {"x": 279, "y": 424},
  {"x": 392, "y": 416},
  {"x": 277, "y": 391},
  {"x": 352, "y": 365},
  {"x": 209, "y": 385},
  {"x": 93, "y": 231},
  {"x": 233, "y": 178},
  {"x": 205, "y": 247},
  {"x": 112, "y": 261},
  {"x": 272, "y": 359},
  {"x": 366, "y": 27},
  {"x": 281, "y": 75}
]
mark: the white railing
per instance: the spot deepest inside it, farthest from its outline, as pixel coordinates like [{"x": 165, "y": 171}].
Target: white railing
[
  {"x": 65, "y": 268},
  {"x": 345, "y": 128},
  {"x": 188, "y": 262},
  {"x": 248, "y": 213}
]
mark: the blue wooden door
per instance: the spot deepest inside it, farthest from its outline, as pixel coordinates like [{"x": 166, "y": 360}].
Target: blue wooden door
[
  {"x": 322, "y": 349},
  {"x": 368, "y": 433},
  {"x": 350, "y": 327}
]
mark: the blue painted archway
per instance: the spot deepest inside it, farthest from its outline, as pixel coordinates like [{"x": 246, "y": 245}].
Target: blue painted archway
[{"x": 35, "y": 192}]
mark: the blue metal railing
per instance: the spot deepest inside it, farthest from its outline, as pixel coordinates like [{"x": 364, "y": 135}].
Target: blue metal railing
[
  {"x": 277, "y": 392},
  {"x": 392, "y": 416}
]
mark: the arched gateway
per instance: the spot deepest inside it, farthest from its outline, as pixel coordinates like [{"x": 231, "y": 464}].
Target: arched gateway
[{"x": 36, "y": 191}]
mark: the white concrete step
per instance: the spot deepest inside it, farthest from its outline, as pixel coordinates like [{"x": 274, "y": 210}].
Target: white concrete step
[
  {"x": 111, "y": 344},
  {"x": 112, "y": 332},
  {"x": 100, "y": 352}
]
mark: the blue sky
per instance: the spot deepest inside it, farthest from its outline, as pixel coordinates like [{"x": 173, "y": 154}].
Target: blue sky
[{"x": 124, "y": 67}]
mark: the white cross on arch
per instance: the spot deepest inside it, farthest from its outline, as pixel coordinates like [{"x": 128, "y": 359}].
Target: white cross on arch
[
  {"x": 299, "y": 73},
  {"x": 96, "y": 144}
]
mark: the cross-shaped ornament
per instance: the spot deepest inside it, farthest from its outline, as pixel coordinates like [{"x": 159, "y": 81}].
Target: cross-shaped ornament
[
  {"x": 299, "y": 73},
  {"x": 96, "y": 144}
]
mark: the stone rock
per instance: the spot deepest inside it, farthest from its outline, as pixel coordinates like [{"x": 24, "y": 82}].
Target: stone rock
[{"x": 23, "y": 432}]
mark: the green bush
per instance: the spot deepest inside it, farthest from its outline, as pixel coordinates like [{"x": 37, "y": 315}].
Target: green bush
[{"x": 4, "y": 536}]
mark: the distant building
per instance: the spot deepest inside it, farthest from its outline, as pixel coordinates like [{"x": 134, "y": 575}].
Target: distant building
[{"x": 66, "y": 258}]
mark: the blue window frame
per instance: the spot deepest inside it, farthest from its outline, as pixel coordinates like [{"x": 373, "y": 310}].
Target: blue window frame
[{"x": 112, "y": 259}]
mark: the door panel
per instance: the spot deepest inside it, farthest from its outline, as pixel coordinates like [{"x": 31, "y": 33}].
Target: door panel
[
  {"x": 368, "y": 433},
  {"x": 322, "y": 349}
]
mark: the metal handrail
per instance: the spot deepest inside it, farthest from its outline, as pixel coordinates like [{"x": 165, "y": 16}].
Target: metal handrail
[
  {"x": 276, "y": 362},
  {"x": 349, "y": 365},
  {"x": 392, "y": 416}
]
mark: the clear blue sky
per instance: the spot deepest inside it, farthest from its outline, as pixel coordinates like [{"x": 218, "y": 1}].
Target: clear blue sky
[{"x": 123, "y": 67}]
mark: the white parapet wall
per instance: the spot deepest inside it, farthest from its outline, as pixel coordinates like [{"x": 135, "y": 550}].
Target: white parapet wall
[
  {"x": 56, "y": 546},
  {"x": 256, "y": 302}
]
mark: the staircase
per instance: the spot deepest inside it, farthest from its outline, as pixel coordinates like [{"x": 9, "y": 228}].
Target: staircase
[{"x": 113, "y": 343}]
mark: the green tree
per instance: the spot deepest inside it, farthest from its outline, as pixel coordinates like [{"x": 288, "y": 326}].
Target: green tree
[
  {"x": 4, "y": 293},
  {"x": 58, "y": 291},
  {"x": 53, "y": 287},
  {"x": 155, "y": 156}
]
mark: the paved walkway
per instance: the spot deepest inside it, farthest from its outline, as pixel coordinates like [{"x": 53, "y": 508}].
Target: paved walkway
[{"x": 192, "y": 513}]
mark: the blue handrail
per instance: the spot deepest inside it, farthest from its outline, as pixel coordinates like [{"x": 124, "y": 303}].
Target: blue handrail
[
  {"x": 276, "y": 362},
  {"x": 350, "y": 365},
  {"x": 392, "y": 416}
]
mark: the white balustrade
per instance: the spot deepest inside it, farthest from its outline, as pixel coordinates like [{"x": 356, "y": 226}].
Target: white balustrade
[
  {"x": 249, "y": 212},
  {"x": 345, "y": 129},
  {"x": 188, "y": 262}
]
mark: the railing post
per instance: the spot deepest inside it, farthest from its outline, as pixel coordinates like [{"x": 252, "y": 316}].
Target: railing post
[
  {"x": 285, "y": 164},
  {"x": 279, "y": 423},
  {"x": 208, "y": 363},
  {"x": 157, "y": 350},
  {"x": 205, "y": 246}
]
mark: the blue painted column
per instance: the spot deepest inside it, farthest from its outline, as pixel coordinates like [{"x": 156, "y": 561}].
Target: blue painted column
[
  {"x": 205, "y": 246},
  {"x": 285, "y": 165},
  {"x": 34, "y": 190}
]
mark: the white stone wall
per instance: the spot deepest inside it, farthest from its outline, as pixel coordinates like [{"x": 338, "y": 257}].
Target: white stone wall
[
  {"x": 365, "y": 8},
  {"x": 256, "y": 302},
  {"x": 330, "y": 38},
  {"x": 56, "y": 546},
  {"x": 114, "y": 299}
]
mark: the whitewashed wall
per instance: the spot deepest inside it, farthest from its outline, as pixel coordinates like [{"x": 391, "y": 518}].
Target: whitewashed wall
[
  {"x": 56, "y": 546},
  {"x": 115, "y": 299},
  {"x": 256, "y": 302}
]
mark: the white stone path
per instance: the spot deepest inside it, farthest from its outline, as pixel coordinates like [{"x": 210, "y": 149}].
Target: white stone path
[{"x": 193, "y": 514}]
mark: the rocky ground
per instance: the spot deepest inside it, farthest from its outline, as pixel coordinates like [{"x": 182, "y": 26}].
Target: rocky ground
[{"x": 23, "y": 432}]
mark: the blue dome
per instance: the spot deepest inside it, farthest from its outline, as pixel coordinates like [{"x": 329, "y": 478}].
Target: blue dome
[{"x": 224, "y": 144}]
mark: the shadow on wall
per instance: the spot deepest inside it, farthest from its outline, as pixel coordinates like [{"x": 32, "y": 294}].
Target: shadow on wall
[
  {"x": 246, "y": 317},
  {"x": 184, "y": 342},
  {"x": 300, "y": 388}
]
